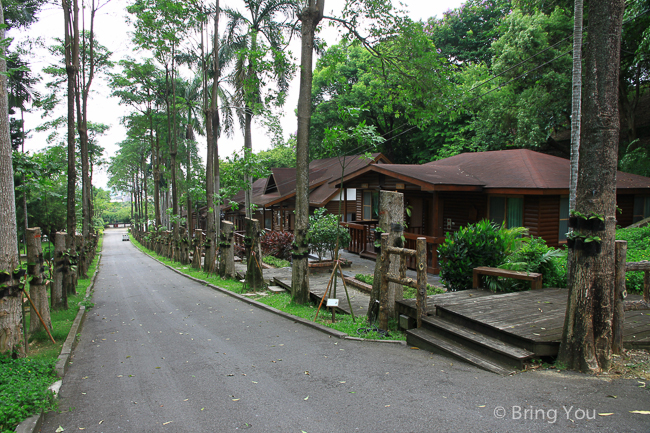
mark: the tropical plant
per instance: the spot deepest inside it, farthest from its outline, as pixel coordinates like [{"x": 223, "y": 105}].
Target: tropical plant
[{"x": 480, "y": 244}]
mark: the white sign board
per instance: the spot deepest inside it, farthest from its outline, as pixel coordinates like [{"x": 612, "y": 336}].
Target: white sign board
[{"x": 332, "y": 302}]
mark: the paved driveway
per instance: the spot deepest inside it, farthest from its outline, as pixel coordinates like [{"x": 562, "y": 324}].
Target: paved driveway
[{"x": 161, "y": 353}]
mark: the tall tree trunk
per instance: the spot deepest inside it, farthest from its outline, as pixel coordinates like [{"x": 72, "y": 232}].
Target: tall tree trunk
[
  {"x": 83, "y": 91},
  {"x": 587, "y": 337},
  {"x": 11, "y": 325},
  {"x": 249, "y": 101},
  {"x": 71, "y": 18},
  {"x": 212, "y": 172},
  {"x": 156, "y": 177},
  {"x": 309, "y": 17}
]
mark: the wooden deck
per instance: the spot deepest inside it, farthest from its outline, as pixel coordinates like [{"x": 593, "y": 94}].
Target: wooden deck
[
  {"x": 317, "y": 285},
  {"x": 532, "y": 320}
]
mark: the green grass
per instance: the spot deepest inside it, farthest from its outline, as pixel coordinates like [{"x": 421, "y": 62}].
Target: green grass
[
  {"x": 24, "y": 389},
  {"x": 282, "y": 301}
]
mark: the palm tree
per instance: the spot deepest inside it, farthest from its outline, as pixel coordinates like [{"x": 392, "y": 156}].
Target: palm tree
[{"x": 257, "y": 39}]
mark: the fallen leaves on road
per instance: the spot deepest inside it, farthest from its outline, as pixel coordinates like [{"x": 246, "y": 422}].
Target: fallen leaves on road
[{"x": 641, "y": 412}]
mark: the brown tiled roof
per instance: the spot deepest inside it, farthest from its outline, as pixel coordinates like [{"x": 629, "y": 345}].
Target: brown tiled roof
[
  {"x": 518, "y": 168},
  {"x": 502, "y": 169},
  {"x": 323, "y": 173},
  {"x": 333, "y": 168}
]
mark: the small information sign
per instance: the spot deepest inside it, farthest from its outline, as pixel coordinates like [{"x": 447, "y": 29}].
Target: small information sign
[{"x": 332, "y": 302}]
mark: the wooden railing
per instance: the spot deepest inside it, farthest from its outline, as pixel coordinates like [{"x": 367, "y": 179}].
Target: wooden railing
[
  {"x": 432, "y": 251},
  {"x": 363, "y": 238},
  {"x": 238, "y": 238}
]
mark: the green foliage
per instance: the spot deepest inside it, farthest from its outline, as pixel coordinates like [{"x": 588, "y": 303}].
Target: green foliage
[
  {"x": 274, "y": 261},
  {"x": 277, "y": 244},
  {"x": 326, "y": 235},
  {"x": 24, "y": 389},
  {"x": 281, "y": 155},
  {"x": 638, "y": 249},
  {"x": 532, "y": 256},
  {"x": 480, "y": 244}
]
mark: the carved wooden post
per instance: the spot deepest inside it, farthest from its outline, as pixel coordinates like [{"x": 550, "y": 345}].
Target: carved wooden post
[
  {"x": 81, "y": 257},
  {"x": 383, "y": 282},
  {"x": 37, "y": 290},
  {"x": 227, "y": 256},
  {"x": 170, "y": 244},
  {"x": 198, "y": 250},
  {"x": 391, "y": 221},
  {"x": 421, "y": 297},
  {"x": 254, "y": 277},
  {"x": 183, "y": 247},
  {"x": 618, "y": 322},
  {"x": 59, "y": 295}
]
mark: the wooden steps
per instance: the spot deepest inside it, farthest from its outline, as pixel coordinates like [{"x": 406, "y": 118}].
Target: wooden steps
[
  {"x": 427, "y": 340},
  {"x": 474, "y": 347}
]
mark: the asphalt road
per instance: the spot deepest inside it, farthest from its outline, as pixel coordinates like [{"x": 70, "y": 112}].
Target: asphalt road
[{"x": 161, "y": 353}]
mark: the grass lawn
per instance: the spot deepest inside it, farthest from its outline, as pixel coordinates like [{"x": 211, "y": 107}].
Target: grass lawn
[{"x": 282, "y": 301}]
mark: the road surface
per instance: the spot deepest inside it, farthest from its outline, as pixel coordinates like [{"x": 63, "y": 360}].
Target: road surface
[{"x": 161, "y": 353}]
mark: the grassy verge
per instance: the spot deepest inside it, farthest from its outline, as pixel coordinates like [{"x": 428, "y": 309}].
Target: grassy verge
[
  {"x": 282, "y": 301},
  {"x": 24, "y": 382},
  {"x": 40, "y": 345}
]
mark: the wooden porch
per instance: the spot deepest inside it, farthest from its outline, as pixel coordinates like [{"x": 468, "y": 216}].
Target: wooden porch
[{"x": 500, "y": 332}]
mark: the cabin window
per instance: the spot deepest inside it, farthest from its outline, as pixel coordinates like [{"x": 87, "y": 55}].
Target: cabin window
[
  {"x": 370, "y": 205},
  {"x": 641, "y": 207},
  {"x": 507, "y": 209},
  {"x": 564, "y": 218}
]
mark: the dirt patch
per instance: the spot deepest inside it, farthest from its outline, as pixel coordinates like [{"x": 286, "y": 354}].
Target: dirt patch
[{"x": 634, "y": 364}]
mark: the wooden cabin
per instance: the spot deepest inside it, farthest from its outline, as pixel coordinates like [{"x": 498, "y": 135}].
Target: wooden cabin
[
  {"x": 275, "y": 195},
  {"x": 519, "y": 187}
]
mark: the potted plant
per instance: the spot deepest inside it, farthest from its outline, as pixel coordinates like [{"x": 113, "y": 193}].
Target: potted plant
[{"x": 596, "y": 222}]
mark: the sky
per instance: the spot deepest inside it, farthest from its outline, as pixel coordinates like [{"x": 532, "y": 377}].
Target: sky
[{"x": 113, "y": 31}]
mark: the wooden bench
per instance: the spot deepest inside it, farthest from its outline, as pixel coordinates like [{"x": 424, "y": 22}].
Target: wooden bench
[{"x": 534, "y": 278}]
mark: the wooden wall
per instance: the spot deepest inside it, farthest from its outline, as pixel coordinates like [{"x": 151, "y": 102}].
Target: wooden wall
[{"x": 463, "y": 208}]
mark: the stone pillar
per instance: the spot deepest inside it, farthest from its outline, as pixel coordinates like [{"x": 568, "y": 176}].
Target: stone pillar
[{"x": 227, "y": 256}]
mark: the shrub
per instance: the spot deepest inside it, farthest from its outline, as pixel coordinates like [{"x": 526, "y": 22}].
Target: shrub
[
  {"x": 277, "y": 244},
  {"x": 274, "y": 261},
  {"x": 638, "y": 249},
  {"x": 325, "y": 234},
  {"x": 480, "y": 244},
  {"x": 24, "y": 389}
]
